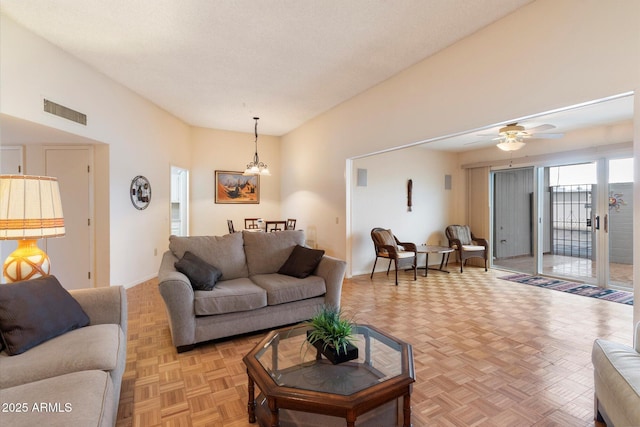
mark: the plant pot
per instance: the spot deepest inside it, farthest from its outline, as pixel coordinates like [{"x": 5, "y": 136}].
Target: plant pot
[{"x": 332, "y": 355}]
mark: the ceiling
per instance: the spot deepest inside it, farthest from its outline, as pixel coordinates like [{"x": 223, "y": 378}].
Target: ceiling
[
  {"x": 218, "y": 63},
  {"x": 610, "y": 111}
]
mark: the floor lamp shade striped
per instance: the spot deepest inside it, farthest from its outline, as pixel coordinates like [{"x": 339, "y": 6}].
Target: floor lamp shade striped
[{"x": 30, "y": 209}]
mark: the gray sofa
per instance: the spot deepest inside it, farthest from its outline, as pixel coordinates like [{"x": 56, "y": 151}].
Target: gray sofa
[
  {"x": 251, "y": 295},
  {"x": 616, "y": 370},
  {"x": 73, "y": 379}
]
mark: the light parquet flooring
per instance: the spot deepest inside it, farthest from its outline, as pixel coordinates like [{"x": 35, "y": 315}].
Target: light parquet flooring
[{"x": 487, "y": 352}]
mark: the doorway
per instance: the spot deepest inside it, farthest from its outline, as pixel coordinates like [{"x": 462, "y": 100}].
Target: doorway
[
  {"x": 179, "y": 201},
  {"x": 585, "y": 231},
  {"x": 72, "y": 256},
  {"x": 513, "y": 219}
]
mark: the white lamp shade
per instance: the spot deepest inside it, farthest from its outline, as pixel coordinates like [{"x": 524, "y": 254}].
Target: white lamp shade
[
  {"x": 30, "y": 207},
  {"x": 511, "y": 145}
]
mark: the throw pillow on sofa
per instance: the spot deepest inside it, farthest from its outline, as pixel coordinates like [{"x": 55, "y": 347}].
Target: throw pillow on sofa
[
  {"x": 35, "y": 311},
  {"x": 202, "y": 275},
  {"x": 302, "y": 262}
]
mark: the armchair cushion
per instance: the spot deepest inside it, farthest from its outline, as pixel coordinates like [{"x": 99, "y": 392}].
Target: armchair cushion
[
  {"x": 384, "y": 238},
  {"x": 461, "y": 233},
  {"x": 471, "y": 248},
  {"x": 35, "y": 311}
]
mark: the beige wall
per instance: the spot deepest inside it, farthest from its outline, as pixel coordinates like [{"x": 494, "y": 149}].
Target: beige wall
[
  {"x": 576, "y": 51},
  {"x": 142, "y": 139},
  {"x": 230, "y": 151},
  {"x": 383, "y": 201}
]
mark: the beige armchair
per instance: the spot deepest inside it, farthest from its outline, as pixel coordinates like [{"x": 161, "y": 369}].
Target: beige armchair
[
  {"x": 466, "y": 245},
  {"x": 400, "y": 253}
]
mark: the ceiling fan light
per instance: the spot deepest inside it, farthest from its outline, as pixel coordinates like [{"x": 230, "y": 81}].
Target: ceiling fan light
[{"x": 510, "y": 145}]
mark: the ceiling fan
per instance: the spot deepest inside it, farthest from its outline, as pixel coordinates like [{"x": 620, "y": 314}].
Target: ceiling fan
[{"x": 512, "y": 136}]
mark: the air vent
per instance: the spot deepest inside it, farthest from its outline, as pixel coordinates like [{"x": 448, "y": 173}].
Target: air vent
[{"x": 65, "y": 112}]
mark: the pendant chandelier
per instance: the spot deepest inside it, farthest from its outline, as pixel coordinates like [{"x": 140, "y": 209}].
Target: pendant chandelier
[{"x": 256, "y": 167}]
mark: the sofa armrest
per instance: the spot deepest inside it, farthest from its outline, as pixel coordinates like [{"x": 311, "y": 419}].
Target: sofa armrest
[
  {"x": 178, "y": 296},
  {"x": 332, "y": 271},
  {"x": 104, "y": 305}
]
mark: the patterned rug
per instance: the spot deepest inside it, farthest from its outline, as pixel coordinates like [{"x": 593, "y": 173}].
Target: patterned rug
[{"x": 621, "y": 297}]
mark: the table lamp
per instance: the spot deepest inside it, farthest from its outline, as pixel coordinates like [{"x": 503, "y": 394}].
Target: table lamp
[{"x": 30, "y": 209}]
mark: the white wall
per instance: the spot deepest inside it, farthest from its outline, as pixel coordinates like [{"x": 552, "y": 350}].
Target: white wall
[
  {"x": 230, "y": 151},
  {"x": 383, "y": 202},
  {"x": 142, "y": 139},
  {"x": 547, "y": 55}
]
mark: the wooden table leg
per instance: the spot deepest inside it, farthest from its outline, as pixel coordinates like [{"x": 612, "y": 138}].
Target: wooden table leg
[
  {"x": 406, "y": 403},
  {"x": 351, "y": 419},
  {"x": 251, "y": 405},
  {"x": 275, "y": 416}
]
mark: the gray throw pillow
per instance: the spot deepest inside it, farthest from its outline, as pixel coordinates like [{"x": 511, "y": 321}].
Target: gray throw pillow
[
  {"x": 35, "y": 311},
  {"x": 202, "y": 275},
  {"x": 302, "y": 262}
]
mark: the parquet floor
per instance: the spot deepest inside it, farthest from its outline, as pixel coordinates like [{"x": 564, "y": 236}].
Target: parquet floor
[{"x": 487, "y": 352}]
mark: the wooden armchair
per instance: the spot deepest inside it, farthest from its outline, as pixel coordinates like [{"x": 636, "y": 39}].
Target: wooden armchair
[
  {"x": 466, "y": 245},
  {"x": 387, "y": 246}
]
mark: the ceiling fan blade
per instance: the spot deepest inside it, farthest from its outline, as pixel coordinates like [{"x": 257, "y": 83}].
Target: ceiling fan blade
[
  {"x": 475, "y": 142},
  {"x": 541, "y": 128},
  {"x": 547, "y": 135}
]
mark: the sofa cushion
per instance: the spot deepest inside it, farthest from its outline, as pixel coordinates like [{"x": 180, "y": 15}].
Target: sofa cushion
[
  {"x": 34, "y": 311},
  {"x": 230, "y": 296},
  {"x": 225, "y": 252},
  {"x": 617, "y": 381},
  {"x": 78, "y": 399},
  {"x": 94, "y": 347},
  {"x": 266, "y": 252},
  {"x": 282, "y": 289},
  {"x": 202, "y": 275},
  {"x": 302, "y": 262}
]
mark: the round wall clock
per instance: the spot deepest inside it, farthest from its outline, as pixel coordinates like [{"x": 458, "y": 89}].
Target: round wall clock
[{"x": 140, "y": 192}]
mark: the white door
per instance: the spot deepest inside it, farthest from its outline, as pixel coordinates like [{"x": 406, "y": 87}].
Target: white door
[
  {"x": 72, "y": 255},
  {"x": 10, "y": 163}
]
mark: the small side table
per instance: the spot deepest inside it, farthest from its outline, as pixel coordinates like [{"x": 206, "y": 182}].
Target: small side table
[{"x": 434, "y": 249}]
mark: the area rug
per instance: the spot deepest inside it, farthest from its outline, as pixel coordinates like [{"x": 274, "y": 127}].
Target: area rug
[{"x": 621, "y": 297}]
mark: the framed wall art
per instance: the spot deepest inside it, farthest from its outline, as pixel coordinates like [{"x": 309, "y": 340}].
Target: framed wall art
[{"x": 234, "y": 187}]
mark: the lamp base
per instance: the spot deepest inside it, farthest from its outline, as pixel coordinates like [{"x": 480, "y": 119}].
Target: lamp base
[{"x": 28, "y": 261}]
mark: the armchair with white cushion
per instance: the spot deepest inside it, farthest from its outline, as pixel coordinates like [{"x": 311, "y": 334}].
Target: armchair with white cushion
[
  {"x": 387, "y": 245},
  {"x": 466, "y": 245}
]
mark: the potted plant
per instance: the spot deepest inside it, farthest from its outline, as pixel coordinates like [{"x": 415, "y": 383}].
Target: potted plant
[{"x": 332, "y": 335}]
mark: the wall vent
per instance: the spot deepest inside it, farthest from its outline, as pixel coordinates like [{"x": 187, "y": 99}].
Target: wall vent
[{"x": 65, "y": 112}]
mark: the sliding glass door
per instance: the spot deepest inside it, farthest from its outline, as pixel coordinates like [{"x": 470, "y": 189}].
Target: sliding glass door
[
  {"x": 572, "y": 221},
  {"x": 513, "y": 219},
  {"x": 585, "y": 226},
  {"x": 620, "y": 223}
]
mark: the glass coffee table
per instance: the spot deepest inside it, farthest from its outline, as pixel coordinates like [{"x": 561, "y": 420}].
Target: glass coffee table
[{"x": 301, "y": 388}]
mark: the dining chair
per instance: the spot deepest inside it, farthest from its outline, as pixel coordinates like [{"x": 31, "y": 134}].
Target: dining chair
[
  {"x": 251, "y": 223},
  {"x": 291, "y": 224},
  {"x": 230, "y": 225},
  {"x": 275, "y": 226},
  {"x": 401, "y": 254}
]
